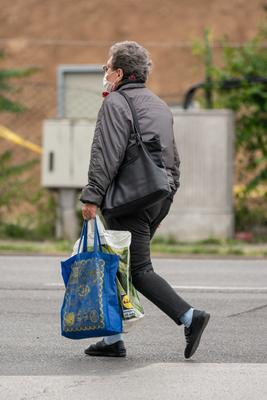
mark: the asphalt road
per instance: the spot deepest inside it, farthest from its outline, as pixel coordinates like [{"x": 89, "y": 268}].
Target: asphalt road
[{"x": 231, "y": 362}]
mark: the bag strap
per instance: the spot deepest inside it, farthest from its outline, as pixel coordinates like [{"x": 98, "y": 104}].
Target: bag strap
[
  {"x": 136, "y": 125},
  {"x": 97, "y": 241},
  {"x": 83, "y": 237}
]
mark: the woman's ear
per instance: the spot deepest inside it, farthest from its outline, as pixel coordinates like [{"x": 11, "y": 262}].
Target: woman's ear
[{"x": 120, "y": 73}]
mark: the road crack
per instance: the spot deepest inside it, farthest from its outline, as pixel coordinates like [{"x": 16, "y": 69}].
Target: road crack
[{"x": 247, "y": 311}]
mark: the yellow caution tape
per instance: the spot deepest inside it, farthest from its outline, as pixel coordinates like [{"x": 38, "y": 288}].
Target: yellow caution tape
[{"x": 15, "y": 138}]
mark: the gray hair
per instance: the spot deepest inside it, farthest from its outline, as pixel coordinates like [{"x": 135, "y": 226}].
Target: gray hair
[{"x": 132, "y": 58}]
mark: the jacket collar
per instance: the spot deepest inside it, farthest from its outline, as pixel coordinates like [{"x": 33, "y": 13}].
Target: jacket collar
[{"x": 127, "y": 84}]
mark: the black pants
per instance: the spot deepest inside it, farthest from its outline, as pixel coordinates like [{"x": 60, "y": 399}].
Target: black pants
[{"x": 142, "y": 226}]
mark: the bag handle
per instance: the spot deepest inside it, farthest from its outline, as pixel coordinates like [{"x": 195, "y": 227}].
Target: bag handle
[
  {"x": 83, "y": 237},
  {"x": 136, "y": 125},
  {"x": 97, "y": 241}
]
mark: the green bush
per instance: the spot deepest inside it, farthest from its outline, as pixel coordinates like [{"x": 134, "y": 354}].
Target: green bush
[
  {"x": 36, "y": 225},
  {"x": 244, "y": 64},
  {"x": 14, "y": 231}
]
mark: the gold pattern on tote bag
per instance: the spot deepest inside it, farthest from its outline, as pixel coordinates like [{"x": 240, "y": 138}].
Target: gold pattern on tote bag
[
  {"x": 69, "y": 319},
  {"x": 77, "y": 290}
]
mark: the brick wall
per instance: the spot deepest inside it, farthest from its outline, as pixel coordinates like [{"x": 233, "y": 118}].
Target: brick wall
[{"x": 48, "y": 32}]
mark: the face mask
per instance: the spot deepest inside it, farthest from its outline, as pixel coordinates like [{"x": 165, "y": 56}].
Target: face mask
[{"x": 108, "y": 86}]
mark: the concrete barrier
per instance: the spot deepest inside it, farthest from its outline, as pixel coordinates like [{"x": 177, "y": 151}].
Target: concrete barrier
[{"x": 203, "y": 207}]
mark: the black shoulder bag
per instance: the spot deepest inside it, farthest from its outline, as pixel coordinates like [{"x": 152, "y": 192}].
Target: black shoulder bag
[{"x": 140, "y": 182}]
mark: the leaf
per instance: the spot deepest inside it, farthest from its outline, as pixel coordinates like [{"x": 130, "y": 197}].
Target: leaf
[
  {"x": 258, "y": 179},
  {"x": 10, "y": 106},
  {"x": 18, "y": 73},
  {"x": 14, "y": 170},
  {"x": 4, "y": 86},
  {"x": 4, "y": 157},
  {"x": 13, "y": 184}
]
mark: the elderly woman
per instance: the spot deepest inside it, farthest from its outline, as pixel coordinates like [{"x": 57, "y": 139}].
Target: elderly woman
[{"x": 127, "y": 70}]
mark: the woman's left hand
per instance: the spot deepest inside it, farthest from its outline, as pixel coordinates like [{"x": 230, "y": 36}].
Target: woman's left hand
[{"x": 89, "y": 211}]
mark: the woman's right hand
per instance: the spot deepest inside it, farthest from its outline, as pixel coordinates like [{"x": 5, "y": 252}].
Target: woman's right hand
[{"x": 89, "y": 211}]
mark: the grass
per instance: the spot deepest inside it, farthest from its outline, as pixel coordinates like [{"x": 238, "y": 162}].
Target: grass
[
  {"x": 211, "y": 246},
  {"x": 160, "y": 246},
  {"x": 33, "y": 247},
  {"x": 203, "y": 250}
]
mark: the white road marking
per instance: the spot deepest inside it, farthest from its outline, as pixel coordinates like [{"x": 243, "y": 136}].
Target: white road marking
[
  {"x": 234, "y": 289},
  {"x": 262, "y": 289},
  {"x": 54, "y": 284}
]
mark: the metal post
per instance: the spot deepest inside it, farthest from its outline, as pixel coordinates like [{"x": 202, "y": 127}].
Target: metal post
[{"x": 67, "y": 224}]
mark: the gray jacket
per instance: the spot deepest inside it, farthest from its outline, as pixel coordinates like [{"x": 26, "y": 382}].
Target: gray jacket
[{"x": 113, "y": 135}]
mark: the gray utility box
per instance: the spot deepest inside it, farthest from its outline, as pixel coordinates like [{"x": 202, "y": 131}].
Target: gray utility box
[
  {"x": 67, "y": 145},
  {"x": 202, "y": 207},
  {"x": 67, "y": 140}
]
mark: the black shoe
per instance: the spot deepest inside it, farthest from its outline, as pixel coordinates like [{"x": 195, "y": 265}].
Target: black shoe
[
  {"x": 194, "y": 332},
  {"x": 107, "y": 350}
]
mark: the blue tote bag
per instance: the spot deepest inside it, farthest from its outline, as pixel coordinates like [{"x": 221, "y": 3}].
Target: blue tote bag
[{"x": 91, "y": 306}]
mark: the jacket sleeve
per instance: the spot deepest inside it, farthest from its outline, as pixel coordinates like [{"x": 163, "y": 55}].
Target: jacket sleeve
[
  {"x": 176, "y": 167},
  {"x": 108, "y": 149},
  {"x": 176, "y": 170}
]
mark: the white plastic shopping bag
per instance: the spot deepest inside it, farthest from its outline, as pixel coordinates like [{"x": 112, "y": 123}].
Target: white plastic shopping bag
[{"x": 118, "y": 242}]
